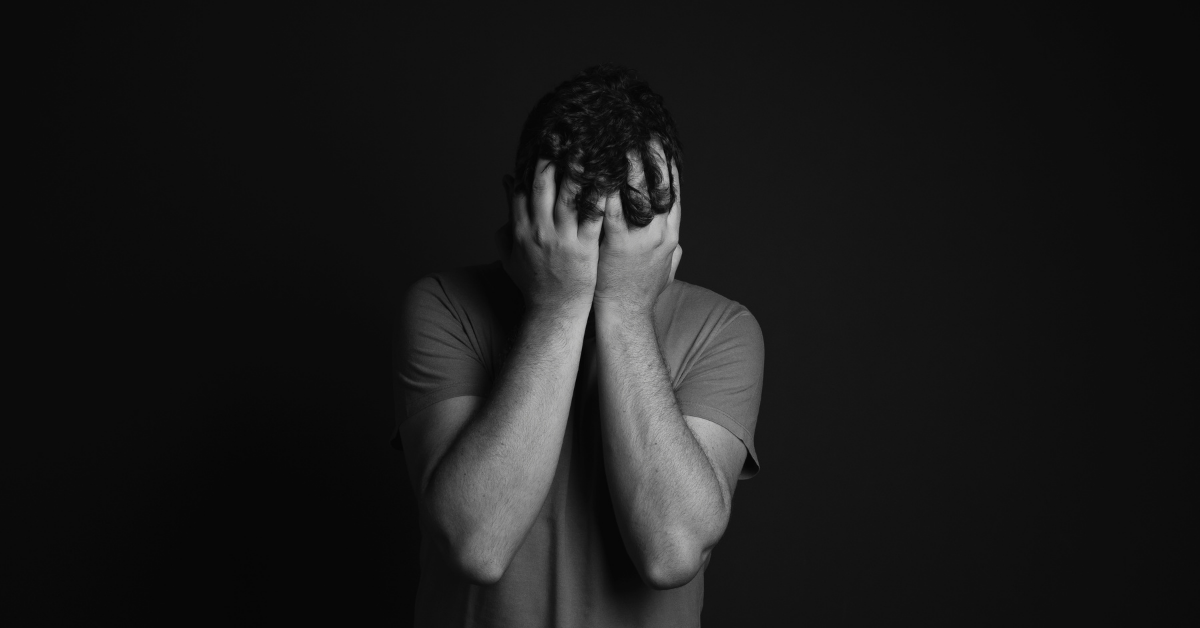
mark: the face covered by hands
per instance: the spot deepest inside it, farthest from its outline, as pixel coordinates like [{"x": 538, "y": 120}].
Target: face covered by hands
[{"x": 637, "y": 264}]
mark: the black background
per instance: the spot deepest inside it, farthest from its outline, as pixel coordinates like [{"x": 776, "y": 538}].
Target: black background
[{"x": 955, "y": 230}]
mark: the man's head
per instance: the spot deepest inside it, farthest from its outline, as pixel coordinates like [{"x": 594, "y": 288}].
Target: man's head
[{"x": 597, "y": 129}]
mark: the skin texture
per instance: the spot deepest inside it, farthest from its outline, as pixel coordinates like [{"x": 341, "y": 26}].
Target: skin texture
[
  {"x": 482, "y": 467},
  {"x": 671, "y": 477}
]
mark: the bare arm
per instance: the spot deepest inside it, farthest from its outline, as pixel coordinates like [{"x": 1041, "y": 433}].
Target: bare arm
[
  {"x": 484, "y": 476},
  {"x": 672, "y": 494},
  {"x": 485, "y": 492},
  {"x": 671, "y": 477}
]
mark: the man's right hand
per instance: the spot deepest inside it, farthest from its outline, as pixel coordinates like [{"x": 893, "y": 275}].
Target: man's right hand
[{"x": 551, "y": 256}]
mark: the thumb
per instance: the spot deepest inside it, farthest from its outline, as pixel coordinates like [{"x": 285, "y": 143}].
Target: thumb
[{"x": 675, "y": 257}]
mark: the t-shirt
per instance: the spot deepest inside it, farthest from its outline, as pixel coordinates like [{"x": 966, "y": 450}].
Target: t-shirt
[{"x": 572, "y": 570}]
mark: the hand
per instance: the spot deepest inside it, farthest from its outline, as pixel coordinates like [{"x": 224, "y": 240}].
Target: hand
[
  {"x": 545, "y": 250},
  {"x": 637, "y": 265}
]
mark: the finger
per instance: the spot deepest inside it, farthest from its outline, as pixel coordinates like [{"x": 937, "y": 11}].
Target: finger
[
  {"x": 541, "y": 213},
  {"x": 589, "y": 230},
  {"x": 520, "y": 218},
  {"x": 614, "y": 217},
  {"x": 518, "y": 214},
  {"x": 657, "y": 231},
  {"x": 675, "y": 216},
  {"x": 675, "y": 182},
  {"x": 564, "y": 208},
  {"x": 637, "y": 181}
]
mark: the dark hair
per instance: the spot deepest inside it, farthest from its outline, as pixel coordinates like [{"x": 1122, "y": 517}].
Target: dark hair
[{"x": 588, "y": 126}]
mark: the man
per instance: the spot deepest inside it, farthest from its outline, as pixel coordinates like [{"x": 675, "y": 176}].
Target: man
[{"x": 575, "y": 420}]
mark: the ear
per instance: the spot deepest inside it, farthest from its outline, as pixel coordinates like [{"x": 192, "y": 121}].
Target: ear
[{"x": 503, "y": 240}]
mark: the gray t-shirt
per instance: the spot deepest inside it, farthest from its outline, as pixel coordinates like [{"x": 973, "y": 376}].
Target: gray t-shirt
[{"x": 572, "y": 570}]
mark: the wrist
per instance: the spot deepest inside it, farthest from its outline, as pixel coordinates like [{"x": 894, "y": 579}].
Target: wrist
[
  {"x": 618, "y": 313},
  {"x": 563, "y": 310}
]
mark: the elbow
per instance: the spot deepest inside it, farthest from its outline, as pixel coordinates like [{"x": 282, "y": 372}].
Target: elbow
[
  {"x": 677, "y": 559},
  {"x": 469, "y": 548},
  {"x": 479, "y": 568},
  {"x": 673, "y": 566},
  {"x": 474, "y": 558},
  {"x": 662, "y": 574}
]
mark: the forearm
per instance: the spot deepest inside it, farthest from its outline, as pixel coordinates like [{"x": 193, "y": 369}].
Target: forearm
[
  {"x": 486, "y": 491},
  {"x": 670, "y": 503}
]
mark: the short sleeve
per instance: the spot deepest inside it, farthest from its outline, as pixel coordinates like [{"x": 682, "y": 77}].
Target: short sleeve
[
  {"x": 724, "y": 385},
  {"x": 435, "y": 357}
]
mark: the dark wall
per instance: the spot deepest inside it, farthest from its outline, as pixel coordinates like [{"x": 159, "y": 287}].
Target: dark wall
[{"x": 950, "y": 227}]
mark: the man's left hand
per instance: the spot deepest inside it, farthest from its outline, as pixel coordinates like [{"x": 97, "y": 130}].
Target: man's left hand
[{"x": 636, "y": 265}]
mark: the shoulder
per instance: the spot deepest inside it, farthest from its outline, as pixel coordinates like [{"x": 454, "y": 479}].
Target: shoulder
[
  {"x": 460, "y": 289},
  {"x": 691, "y": 308},
  {"x": 457, "y": 281}
]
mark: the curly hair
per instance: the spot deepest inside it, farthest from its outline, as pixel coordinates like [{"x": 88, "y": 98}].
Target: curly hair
[{"x": 593, "y": 128}]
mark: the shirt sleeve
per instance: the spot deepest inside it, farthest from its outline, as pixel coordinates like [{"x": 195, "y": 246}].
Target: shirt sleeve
[
  {"x": 434, "y": 357},
  {"x": 725, "y": 384}
]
